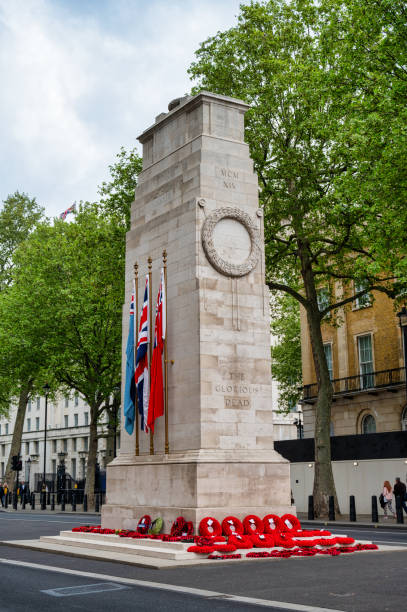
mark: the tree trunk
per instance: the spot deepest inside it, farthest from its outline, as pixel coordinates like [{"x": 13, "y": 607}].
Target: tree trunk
[
  {"x": 10, "y": 475},
  {"x": 92, "y": 455},
  {"x": 324, "y": 485}
]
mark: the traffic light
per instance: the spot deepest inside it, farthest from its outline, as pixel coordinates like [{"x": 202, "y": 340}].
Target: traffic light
[{"x": 16, "y": 463}]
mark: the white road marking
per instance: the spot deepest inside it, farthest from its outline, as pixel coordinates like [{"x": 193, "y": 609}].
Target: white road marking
[
  {"x": 266, "y": 603},
  {"x": 84, "y": 589}
]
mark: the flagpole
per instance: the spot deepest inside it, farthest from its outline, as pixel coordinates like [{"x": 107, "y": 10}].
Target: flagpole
[
  {"x": 135, "y": 354},
  {"x": 167, "y": 444},
  {"x": 150, "y": 263}
]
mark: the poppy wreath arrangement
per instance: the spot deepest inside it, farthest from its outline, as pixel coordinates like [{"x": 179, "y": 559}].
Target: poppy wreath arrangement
[
  {"x": 262, "y": 540},
  {"x": 181, "y": 527},
  {"x": 290, "y": 523},
  {"x": 231, "y": 526},
  {"x": 272, "y": 523},
  {"x": 144, "y": 524},
  {"x": 209, "y": 526},
  {"x": 240, "y": 541},
  {"x": 253, "y": 524}
]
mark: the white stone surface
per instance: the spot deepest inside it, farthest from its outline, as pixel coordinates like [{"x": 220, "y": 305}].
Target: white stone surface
[{"x": 221, "y": 448}]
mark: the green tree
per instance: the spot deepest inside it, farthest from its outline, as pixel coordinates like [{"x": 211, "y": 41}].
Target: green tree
[
  {"x": 286, "y": 352},
  {"x": 317, "y": 232},
  {"x": 117, "y": 195},
  {"x": 69, "y": 281},
  {"x": 19, "y": 216}
]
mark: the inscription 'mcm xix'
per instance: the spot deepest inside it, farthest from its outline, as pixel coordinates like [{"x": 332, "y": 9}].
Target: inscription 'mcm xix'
[{"x": 229, "y": 176}]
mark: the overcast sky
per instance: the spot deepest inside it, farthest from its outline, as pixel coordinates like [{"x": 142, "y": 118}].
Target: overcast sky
[{"x": 81, "y": 78}]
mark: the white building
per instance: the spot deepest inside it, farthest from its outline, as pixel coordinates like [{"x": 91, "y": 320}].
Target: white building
[{"x": 67, "y": 438}]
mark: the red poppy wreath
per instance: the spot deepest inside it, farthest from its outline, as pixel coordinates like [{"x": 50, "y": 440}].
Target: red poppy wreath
[
  {"x": 144, "y": 524},
  {"x": 289, "y": 523},
  {"x": 241, "y": 541},
  {"x": 262, "y": 540},
  {"x": 232, "y": 525},
  {"x": 272, "y": 523},
  {"x": 209, "y": 526},
  {"x": 253, "y": 524}
]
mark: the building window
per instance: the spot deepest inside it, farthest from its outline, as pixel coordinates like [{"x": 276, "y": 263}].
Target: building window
[
  {"x": 323, "y": 298},
  {"x": 404, "y": 420},
  {"x": 54, "y": 446},
  {"x": 366, "y": 361},
  {"x": 65, "y": 445},
  {"x": 54, "y": 466},
  {"x": 76, "y": 399},
  {"x": 2, "y": 469},
  {"x": 27, "y": 448},
  {"x": 37, "y": 423},
  {"x": 328, "y": 355},
  {"x": 368, "y": 424},
  {"x": 28, "y": 424},
  {"x": 6, "y": 426},
  {"x": 67, "y": 402},
  {"x": 331, "y": 429},
  {"x": 74, "y": 444},
  {"x": 75, "y": 420},
  {"x": 29, "y": 406},
  {"x": 86, "y": 414},
  {"x": 73, "y": 468},
  {"x": 0, "y": 429},
  {"x": 38, "y": 403},
  {"x": 66, "y": 420},
  {"x": 363, "y": 300},
  {"x": 85, "y": 444},
  {"x": 36, "y": 447},
  {"x": 3, "y": 450}
]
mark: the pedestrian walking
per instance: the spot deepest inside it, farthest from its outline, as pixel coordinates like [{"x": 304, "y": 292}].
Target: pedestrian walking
[
  {"x": 399, "y": 490},
  {"x": 388, "y": 499}
]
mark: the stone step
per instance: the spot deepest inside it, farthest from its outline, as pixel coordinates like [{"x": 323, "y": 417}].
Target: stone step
[
  {"x": 117, "y": 547},
  {"x": 110, "y": 537}
]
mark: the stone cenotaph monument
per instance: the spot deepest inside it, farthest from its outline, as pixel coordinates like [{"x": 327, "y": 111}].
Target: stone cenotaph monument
[{"x": 197, "y": 198}]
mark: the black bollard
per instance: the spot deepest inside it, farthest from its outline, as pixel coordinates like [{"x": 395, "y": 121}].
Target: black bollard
[
  {"x": 62, "y": 502},
  {"x": 52, "y": 502},
  {"x": 352, "y": 509},
  {"x": 23, "y": 501},
  {"x": 311, "y": 514},
  {"x": 43, "y": 499},
  {"x": 73, "y": 502},
  {"x": 15, "y": 500},
  {"x": 85, "y": 503},
  {"x": 97, "y": 506},
  {"x": 375, "y": 514},
  {"x": 32, "y": 501},
  {"x": 399, "y": 510},
  {"x": 48, "y": 498},
  {"x": 331, "y": 512}
]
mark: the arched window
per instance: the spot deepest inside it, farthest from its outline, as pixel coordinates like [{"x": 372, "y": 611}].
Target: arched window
[
  {"x": 404, "y": 420},
  {"x": 368, "y": 424},
  {"x": 331, "y": 429}
]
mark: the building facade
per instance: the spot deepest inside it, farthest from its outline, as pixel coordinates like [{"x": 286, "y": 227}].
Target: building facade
[
  {"x": 67, "y": 439},
  {"x": 364, "y": 350}
]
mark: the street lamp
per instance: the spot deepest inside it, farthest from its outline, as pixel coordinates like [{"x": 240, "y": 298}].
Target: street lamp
[
  {"x": 402, "y": 315},
  {"x": 299, "y": 426},
  {"x": 46, "y": 389},
  {"x": 116, "y": 391}
]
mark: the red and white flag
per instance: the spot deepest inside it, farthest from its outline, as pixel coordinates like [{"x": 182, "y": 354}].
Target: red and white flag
[{"x": 156, "y": 403}]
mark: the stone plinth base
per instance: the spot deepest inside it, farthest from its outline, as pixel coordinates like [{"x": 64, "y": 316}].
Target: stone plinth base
[{"x": 195, "y": 484}]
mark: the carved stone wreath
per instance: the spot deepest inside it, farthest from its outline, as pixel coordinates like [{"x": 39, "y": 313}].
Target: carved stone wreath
[{"x": 220, "y": 264}]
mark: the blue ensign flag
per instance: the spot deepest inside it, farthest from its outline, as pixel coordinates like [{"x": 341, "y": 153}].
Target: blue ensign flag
[{"x": 130, "y": 387}]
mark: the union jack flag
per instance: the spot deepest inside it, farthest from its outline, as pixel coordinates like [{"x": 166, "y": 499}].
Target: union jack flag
[
  {"x": 66, "y": 212},
  {"x": 141, "y": 376}
]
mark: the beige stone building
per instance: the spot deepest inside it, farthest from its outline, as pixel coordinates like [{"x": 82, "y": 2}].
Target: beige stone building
[{"x": 364, "y": 349}]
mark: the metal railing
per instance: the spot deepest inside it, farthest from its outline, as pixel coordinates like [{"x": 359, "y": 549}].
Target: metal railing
[{"x": 383, "y": 379}]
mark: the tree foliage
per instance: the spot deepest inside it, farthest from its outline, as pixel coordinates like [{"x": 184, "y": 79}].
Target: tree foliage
[
  {"x": 310, "y": 144},
  {"x": 286, "y": 351},
  {"x": 117, "y": 194}
]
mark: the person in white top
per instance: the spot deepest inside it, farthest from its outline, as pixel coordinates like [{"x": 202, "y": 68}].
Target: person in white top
[{"x": 388, "y": 499}]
